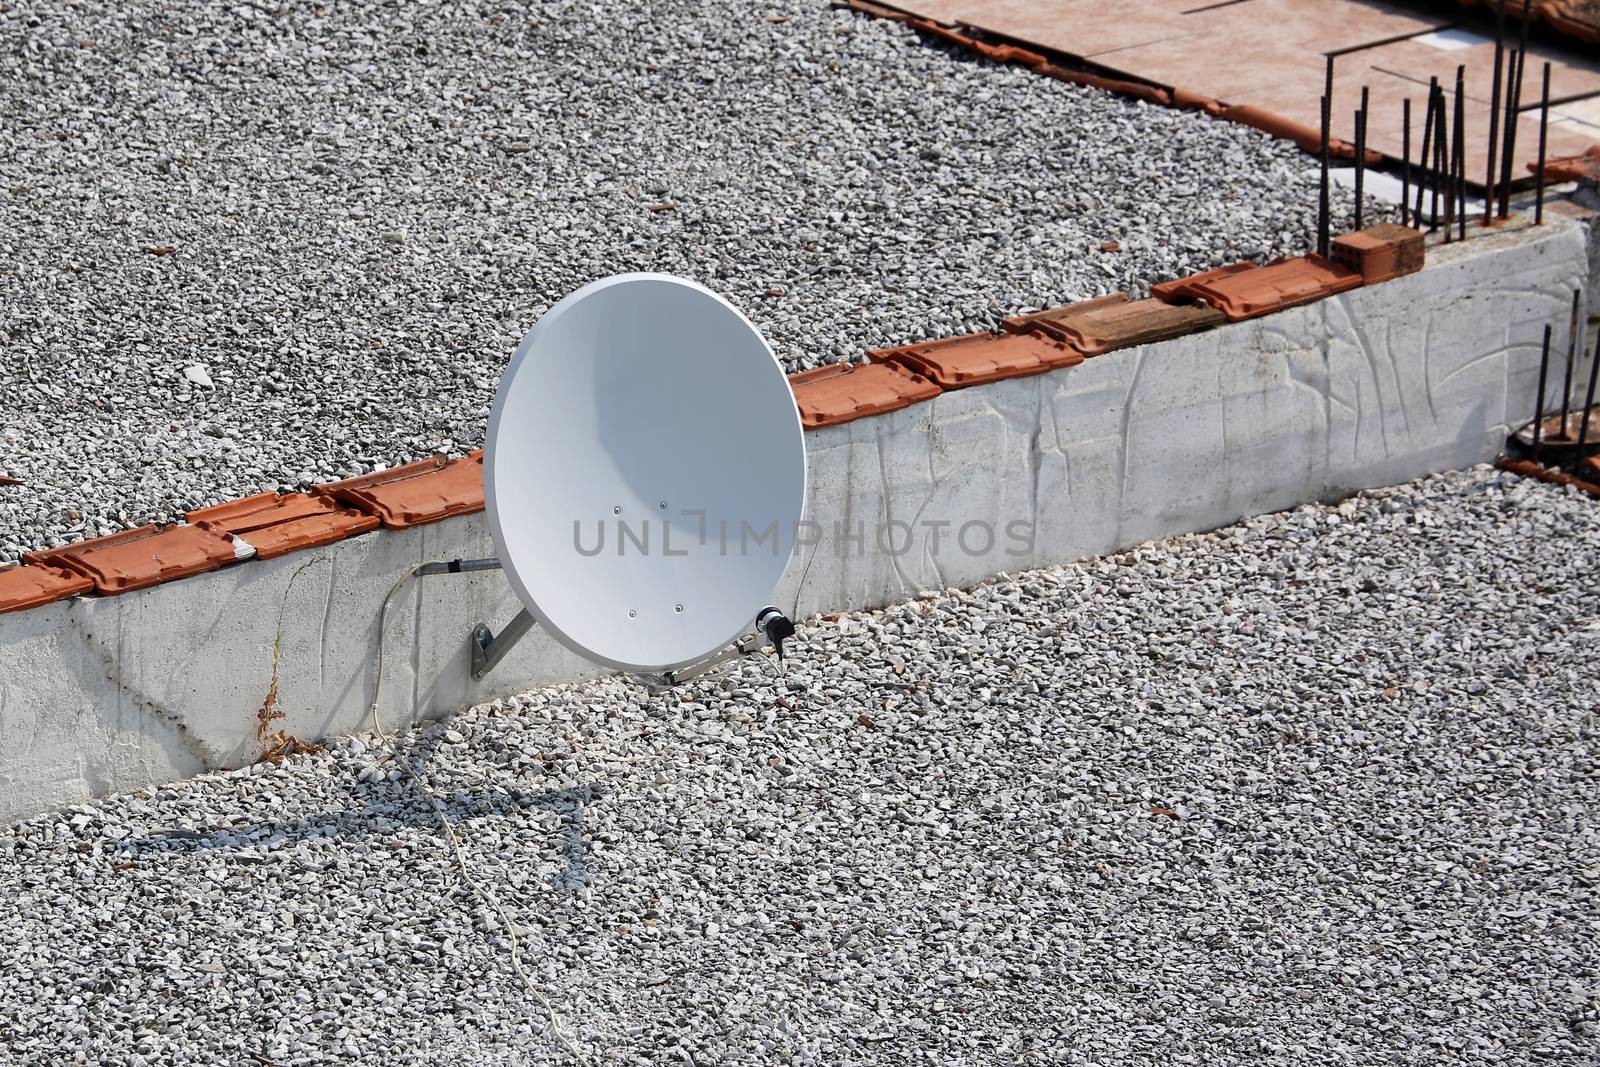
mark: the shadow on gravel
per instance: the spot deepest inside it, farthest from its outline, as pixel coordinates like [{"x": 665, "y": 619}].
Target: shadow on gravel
[{"x": 385, "y": 806}]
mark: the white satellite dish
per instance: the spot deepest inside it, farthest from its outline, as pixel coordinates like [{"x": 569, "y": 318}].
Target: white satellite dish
[{"x": 645, "y": 476}]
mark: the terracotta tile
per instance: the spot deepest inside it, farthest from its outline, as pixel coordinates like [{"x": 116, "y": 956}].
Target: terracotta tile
[
  {"x": 1186, "y": 290},
  {"x": 1282, "y": 284},
  {"x": 1577, "y": 18},
  {"x": 1254, "y": 63},
  {"x": 1320, "y": 26},
  {"x": 842, "y": 392},
  {"x": 417, "y": 493},
  {"x": 277, "y": 523},
  {"x": 957, "y": 362},
  {"x": 1379, "y": 253},
  {"x": 1095, "y": 327},
  {"x": 1571, "y": 75},
  {"x": 1573, "y": 168},
  {"x": 149, "y": 555},
  {"x": 1386, "y": 93},
  {"x": 1074, "y": 27},
  {"x": 32, "y": 587}
]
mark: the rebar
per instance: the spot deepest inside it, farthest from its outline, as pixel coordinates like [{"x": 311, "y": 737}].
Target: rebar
[
  {"x": 1494, "y": 108},
  {"x": 1572, "y": 358},
  {"x": 1588, "y": 400},
  {"x": 1405, "y": 162},
  {"x": 1544, "y": 143},
  {"x": 1508, "y": 144},
  {"x": 1427, "y": 142},
  {"x": 1458, "y": 160},
  {"x": 1324, "y": 223},
  {"x": 1538, "y": 401},
  {"x": 1361, "y": 157}
]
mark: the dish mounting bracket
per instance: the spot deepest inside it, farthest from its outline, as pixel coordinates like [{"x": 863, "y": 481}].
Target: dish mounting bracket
[{"x": 488, "y": 647}]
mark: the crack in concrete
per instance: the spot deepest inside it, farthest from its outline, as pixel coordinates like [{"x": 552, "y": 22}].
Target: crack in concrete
[{"x": 209, "y": 758}]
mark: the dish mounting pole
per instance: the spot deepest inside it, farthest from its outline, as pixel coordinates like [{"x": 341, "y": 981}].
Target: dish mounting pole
[{"x": 488, "y": 647}]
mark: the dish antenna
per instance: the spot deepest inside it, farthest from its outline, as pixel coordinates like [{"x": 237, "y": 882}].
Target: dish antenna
[{"x": 645, "y": 476}]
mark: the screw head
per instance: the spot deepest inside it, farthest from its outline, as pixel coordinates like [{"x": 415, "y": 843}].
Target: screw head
[
  {"x": 617, "y": 510},
  {"x": 679, "y": 609},
  {"x": 632, "y": 613}
]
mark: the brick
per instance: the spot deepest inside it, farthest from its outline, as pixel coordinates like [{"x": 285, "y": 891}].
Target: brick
[
  {"x": 1095, "y": 327},
  {"x": 973, "y": 359},
  {"x": 32, "y": 587},
  {"x": 841, "y": 392},
  {"x": 417, "y": 493},
  {"x": 278, "y": 523},
  {"x": 1379, "y": 253},
  {"x": 146, "y": 556},
  {"x": 1184, "y": 290},
  {"x": 1284, "y": 283}
]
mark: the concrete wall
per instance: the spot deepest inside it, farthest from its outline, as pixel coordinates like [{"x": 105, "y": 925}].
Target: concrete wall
[
  {"x": 1376, "y": 386},
  {"x": 1379, "y": 385}
]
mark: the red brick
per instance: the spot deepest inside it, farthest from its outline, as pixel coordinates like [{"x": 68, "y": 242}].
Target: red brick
[
  {"x": 1379, "y": 253},
  {"x": 957, "y": 362},
  {"x": 417, "y": 493},
  {"x": 277, "y": 523},
  {"x": 32, "y": 587},
  {"x": 841, "y": 392},
  {"x": 149, "y": 555}
]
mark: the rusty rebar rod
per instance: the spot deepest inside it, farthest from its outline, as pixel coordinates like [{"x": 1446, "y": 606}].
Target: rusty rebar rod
[
  {"x": 1444, "y": 154},
  {"x": 1324, "y": 206},
  {"x": 1538, "y": 401},
  {"x": 1361, "y": 158},
  {"x": 1508, "y": 146},
  {"x": 1494, "y": 108},
  {"x": 1427, "y": 143},
  {"x": 1572, "y": 358},
  {"x": 1588, "y": 400},
  {"x": 1459, "y": 157},
  {"x": 1544, "y": 143},
  {"x": 1405, "y": 161}
]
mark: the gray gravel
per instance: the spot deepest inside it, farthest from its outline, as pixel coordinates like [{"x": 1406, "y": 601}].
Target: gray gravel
[
  {"x": 1314, "y": 789},
  {"x": 251, "y": 246}
]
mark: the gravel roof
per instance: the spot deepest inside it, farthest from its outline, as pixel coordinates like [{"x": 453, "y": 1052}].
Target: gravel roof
[
  {"x": 250, "y": 246},
  {"x": 1315, "y": 788}
]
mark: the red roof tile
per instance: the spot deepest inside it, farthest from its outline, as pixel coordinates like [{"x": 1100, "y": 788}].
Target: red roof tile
[
  {"x": 277, "y": 523},
  {"x": 417, "y": 493},
  {"x": 1094, "y": 327},
  {"x": 32, "y": 587},
  {"x": 149, "y": 555},
  {"x": 957, "y": 362},
  {"x": 845, "y": 391}
]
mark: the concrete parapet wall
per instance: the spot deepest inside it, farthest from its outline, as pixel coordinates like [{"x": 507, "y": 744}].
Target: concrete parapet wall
[{"x": 1381, "y": 384}]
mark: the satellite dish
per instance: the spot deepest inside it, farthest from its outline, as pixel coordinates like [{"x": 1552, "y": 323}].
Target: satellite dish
[{"x": 644, "y": 473}]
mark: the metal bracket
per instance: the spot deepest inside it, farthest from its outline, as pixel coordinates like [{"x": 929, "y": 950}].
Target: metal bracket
[
  {"x": 772, "y": 628},
  {"x": 489, "y": 648},
  {"x": 744, "y": 646}
]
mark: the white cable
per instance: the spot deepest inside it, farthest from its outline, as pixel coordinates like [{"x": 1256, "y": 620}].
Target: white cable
[{"x": 483, "y": 892}]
